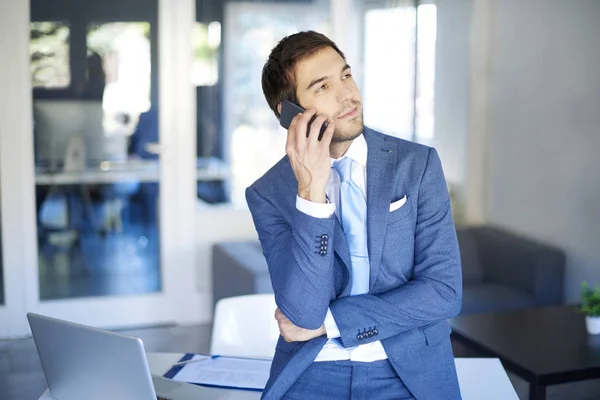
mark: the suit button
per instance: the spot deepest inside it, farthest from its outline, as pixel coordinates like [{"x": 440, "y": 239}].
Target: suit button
[
  {"x": 375, "y": 332},
  {"x": 323, "y": 253},
  {"x": 359, "y": 337},
  {"x": 324, "y": 236}
]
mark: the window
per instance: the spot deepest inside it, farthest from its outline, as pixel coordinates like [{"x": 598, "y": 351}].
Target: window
[
  {"x": 206, "y": 39},
  {"x": 119, "y": 54},
  {"x": 399, "y": 70},
  {"x": 256, "y": 140},
  {"x": 49, "y": 53},
  {"x": 426, "y": 38}
]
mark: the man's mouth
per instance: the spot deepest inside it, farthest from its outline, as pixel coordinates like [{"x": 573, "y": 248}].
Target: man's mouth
[{"x": 349, "y": 113}]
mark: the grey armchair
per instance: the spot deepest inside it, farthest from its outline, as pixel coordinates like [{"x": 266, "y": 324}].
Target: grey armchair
[
  {"x": 501, "y": 270},
  {"x": 505, "y": 271},
  {"x": 239, "y": 268}
]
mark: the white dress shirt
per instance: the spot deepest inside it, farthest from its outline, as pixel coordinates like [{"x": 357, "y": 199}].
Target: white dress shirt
[{"x": 332, "y": 351}]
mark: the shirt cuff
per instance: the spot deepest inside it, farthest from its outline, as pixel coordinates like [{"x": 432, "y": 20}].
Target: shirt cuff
[
  {"x": 316, "y": 210},
  {"x": 331, "y": 327}
]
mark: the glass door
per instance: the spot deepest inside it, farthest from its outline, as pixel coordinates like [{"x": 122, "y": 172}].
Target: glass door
[
  {"x": 96, "y": 178},
  {"x": 109, "y": 173}
]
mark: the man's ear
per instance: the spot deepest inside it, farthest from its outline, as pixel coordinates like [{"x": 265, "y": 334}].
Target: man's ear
[{"x": 279, "y": 108}]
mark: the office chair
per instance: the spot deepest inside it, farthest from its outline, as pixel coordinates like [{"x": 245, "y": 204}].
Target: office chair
[{"x": 245, "y": 326}]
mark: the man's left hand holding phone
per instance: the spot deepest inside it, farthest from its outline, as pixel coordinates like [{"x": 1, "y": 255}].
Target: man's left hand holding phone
[{"x": 308, "y": 140}]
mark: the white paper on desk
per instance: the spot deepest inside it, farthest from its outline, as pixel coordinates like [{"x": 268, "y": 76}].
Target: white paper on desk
[{"x": 242, "y": 373}]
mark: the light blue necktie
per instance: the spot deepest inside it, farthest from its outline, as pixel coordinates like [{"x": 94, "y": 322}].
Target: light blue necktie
[{"x": 353, "y": 215}]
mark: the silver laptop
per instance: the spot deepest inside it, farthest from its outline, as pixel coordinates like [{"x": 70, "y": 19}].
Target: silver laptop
[{"x": 81, "y": 362}]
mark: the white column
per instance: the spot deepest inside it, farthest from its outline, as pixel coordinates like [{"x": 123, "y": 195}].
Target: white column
[
  {"x": 177, "y": 131},
  {"x": 19, "y": 248}
]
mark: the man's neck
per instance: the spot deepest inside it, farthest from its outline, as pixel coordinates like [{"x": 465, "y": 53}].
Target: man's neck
[{"x": 337, "y": 150}]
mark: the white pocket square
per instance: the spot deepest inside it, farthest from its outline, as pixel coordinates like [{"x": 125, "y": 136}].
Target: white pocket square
[{"x": 397, "y": 204}]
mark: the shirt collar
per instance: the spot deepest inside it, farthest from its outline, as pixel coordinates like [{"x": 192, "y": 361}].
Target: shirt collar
[{"x": 357, "y": 151}]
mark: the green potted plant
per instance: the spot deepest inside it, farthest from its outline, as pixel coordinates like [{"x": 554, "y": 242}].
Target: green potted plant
[{"x": 590, "y": 306}]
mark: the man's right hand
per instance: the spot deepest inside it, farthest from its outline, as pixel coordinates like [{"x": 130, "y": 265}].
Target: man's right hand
[{"x": 309, "y": 156}]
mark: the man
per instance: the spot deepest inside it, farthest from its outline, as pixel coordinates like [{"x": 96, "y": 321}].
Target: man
[{"x": 360, "y": 243}]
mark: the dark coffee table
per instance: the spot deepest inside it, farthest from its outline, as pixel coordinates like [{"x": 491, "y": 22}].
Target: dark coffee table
[{"x": 545, "y": 346}]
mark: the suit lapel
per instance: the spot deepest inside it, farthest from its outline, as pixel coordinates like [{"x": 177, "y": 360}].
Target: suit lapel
[
  {"x": 381, "y": 176},
  {"x": 340, "y": 245}
]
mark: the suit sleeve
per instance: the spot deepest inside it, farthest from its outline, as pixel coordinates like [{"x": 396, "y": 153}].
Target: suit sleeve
[
  {"x": 299, "y": 255},
  {"x": 435, "y": 291}
]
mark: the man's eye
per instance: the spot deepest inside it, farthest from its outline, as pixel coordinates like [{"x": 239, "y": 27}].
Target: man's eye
[
  {"x": 348, "y": 75},
  {"x": 320, "y": 89}
]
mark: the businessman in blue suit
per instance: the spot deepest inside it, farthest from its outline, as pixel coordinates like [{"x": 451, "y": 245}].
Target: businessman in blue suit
[{"x": 358, "y": 235}]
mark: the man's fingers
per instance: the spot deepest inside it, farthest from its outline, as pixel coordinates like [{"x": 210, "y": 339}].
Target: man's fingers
[
  {"x": 328, "y": 135},
  {"x": 291, "y": 137},
  {"x": 284, "y": 328},
  {"x": 302, "y": 125},
  {"x": 279, "y": 316},
  {"x": 315, "y": 128}
]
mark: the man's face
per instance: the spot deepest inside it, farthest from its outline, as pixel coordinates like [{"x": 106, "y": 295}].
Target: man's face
[{"x": 324, "y": 81}]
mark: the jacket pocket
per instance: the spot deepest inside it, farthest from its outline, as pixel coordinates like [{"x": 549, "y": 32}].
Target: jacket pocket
[{"x": 401, "y": 212}]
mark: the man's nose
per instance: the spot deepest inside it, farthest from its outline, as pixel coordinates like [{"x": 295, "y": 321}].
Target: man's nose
[{"x": 344, "y": 94}]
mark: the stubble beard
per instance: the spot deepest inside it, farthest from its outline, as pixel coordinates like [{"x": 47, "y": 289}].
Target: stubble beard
[{"x": 351, "y": 133}]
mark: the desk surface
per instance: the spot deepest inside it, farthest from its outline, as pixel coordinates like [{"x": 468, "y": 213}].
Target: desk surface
[
  {"x": 132, "y": 170},
  {"x": 479, "y": 378},
  {"x": 548, "y": 342}
]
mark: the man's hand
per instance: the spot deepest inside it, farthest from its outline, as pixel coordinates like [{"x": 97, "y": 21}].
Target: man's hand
[
  {"x": 292, "y": 333},
  {"x": 309, "y": 156}
]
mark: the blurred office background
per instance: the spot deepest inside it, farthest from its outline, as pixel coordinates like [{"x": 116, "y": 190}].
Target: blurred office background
[
  {"x": 130, "y": 129},
  {"x": 144, "y": 120}
]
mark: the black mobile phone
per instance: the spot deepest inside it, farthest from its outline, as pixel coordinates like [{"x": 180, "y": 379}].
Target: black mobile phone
[{"x": 289, "y": 110}]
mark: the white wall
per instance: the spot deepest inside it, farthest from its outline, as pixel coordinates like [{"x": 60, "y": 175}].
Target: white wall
[
  {"x": 544, "y": 121},
  {"x": 452, "y": 87},
  {"x": 461, "y": 85}
]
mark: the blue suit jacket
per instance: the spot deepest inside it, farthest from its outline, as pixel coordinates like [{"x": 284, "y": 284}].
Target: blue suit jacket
[{"x": 415, "y": 278}]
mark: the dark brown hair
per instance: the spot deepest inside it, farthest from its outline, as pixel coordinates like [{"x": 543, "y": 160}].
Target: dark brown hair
[{"x": 279, "y": 72}]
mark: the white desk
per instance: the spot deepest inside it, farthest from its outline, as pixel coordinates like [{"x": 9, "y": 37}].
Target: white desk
[
  {"x": 479, "y": 378},
  {"x": 484, "y": 378},
  {"x": 132, "y": 170}
]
